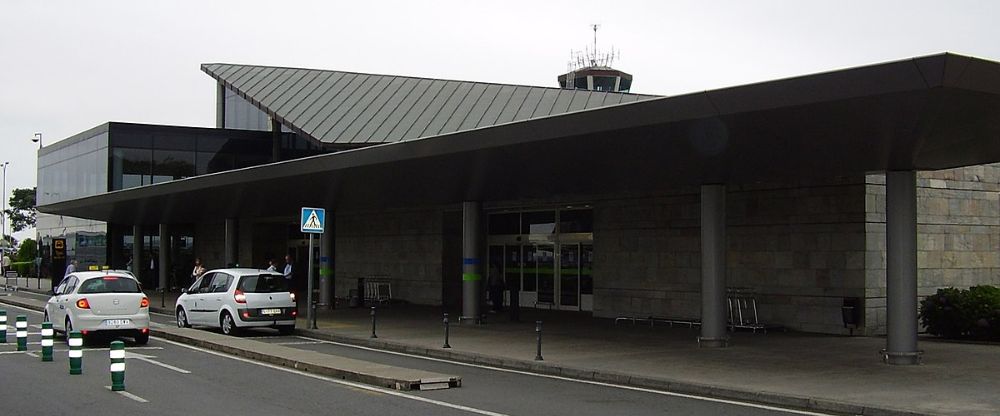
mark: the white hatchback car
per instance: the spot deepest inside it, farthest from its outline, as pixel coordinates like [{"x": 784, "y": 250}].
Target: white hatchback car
[
  {"x": 232, "y": 299},
  {"x": 105, "y": 302}
]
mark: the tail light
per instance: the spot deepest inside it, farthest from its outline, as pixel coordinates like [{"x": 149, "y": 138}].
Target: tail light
[
  {"x": 295, "y": 312},
  {"x": 145, "y": 330},
  {"x": 83, "y": 304},
  {"x": 292, "y": 294},
  {"x": 144, "y": 303},
  {"x": 240, "y": 297},
  {"x": 246, "y": 314}
]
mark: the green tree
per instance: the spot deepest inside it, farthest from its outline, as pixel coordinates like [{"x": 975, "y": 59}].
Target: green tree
[{"x": 22, "y": 209}]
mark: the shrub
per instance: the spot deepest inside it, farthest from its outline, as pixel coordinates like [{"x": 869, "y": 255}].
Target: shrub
[{"x": 963, "y": 313}]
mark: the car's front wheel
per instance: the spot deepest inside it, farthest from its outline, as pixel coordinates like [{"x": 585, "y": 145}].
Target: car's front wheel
[
  {"x": 228, "y": 324},
  {"x": 69, "y": 329},
  {"x": 182, "y": 319}
]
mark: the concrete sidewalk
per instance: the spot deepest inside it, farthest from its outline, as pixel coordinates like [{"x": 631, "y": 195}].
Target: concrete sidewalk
[
  {"x": 828, "y": 373},
  {"x": 834, "y": 373}
]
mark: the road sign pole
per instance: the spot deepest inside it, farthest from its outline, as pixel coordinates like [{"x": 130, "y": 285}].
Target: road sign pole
[{"x": 310, "y": 311}]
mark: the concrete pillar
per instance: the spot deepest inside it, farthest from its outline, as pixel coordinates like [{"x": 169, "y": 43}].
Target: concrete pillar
[
  {"x": 138, "y": 240},
  {"x": 220, "y": 106},
  {"x": 231, "y": 242},
  {"x": 901, "y": 267},
  {"x": 326, "y": 286},
  {"x": 164, "y": 261},
  {"x": 275, "y": 141},
  {"x": 713, "y": 267},
  {"x": 472, "y": 277},
  {"x": 114, "y": 241}
]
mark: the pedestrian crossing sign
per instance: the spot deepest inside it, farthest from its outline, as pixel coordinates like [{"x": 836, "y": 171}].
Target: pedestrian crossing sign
[{"x": 313, "y": 220}]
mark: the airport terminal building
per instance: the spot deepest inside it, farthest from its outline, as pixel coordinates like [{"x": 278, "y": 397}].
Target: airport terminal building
[{"x": 866, "y": 187}]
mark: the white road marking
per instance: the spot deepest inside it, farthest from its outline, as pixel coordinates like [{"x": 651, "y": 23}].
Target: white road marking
[
  {"x": 343, "y": 382},
  {"x": 297, "y": 343},
  {"x": 129, "y": 395},
  {"x": 31, "y": 354},
  {"x": 596, "y": 383},
  {"x": 149, "y": 359}
]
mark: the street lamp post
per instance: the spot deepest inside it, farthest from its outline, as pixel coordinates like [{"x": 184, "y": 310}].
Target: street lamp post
[
  {"x": 3, "y": 219},
  {"x": 38, "y": 241}
]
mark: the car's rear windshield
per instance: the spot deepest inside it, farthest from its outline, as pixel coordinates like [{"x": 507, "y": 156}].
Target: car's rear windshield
[
  {"x": 264, "y": 283},
  {"x": 109, "y": 284}
]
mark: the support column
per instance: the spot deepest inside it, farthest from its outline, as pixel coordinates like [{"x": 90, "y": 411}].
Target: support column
[
  {"x": 275, "y": 141},
  {"x": 220, "y": 106},
  {"x": 472, "y": 278},
  {"x": 901, "y": 268},
  {"x": 713, "y": 267},
  {"x": 164, "y": 260},
  {"x": 231, "y": 242},
  {"x": 326, "y": 286},
  {"x": 138, "y": 244}
]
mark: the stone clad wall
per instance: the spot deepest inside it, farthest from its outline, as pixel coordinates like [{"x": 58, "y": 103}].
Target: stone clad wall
[
  {"x": 801, "y": 248},
  {"x": 958, "y": 234},
  {"x": 210, "y": 244},
  {"x": 402, "y": 245}
]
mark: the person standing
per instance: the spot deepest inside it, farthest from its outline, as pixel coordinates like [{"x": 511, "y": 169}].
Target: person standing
[
  {"x": 70, "y": 268},
  {"x": 198, "y": 269},
  {"x": 288, "y": 267}
]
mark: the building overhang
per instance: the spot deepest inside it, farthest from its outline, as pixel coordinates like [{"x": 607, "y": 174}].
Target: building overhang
[{"x": 926, "y": 113}]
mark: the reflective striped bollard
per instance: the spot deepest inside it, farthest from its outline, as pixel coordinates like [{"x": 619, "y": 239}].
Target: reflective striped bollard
[
  {"x": 75, "y": 353},
  {"x": 21, "y": 326},
  {"x": 117, "y": 366},
  {"x": 47, "y": 341},
  {"x": 3, "y": 326}
]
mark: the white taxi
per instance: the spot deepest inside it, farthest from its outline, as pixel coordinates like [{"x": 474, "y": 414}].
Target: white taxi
[
  {"x": 232, "y": 299},
  {"x": 105, "y": 302}
]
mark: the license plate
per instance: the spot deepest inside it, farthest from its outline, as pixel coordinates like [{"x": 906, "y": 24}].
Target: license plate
[
  {"x": 270, "y": 311},
  {"x": 117, "y": 322}
]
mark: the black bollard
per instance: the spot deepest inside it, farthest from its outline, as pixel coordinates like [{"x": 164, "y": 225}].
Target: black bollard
[
  {"x": 446, "y": 345},
  {"x": 373, "y": 323},
  {"x": 163, "y": 296},
  {"x": 538, "y": 331}
]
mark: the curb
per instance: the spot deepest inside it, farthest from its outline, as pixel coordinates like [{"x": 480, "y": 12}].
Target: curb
[
  {"x": 230, "y": 345},
  {"x": 624, "y": 379}
]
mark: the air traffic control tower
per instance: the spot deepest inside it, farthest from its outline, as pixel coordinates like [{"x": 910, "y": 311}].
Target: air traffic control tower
[{"x": 591, "y": 70}]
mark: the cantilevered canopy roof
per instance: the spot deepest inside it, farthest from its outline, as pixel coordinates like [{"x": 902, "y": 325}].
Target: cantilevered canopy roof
[
  {"x": 353, "y": 108},
  {"x": 926, "y": 113}
]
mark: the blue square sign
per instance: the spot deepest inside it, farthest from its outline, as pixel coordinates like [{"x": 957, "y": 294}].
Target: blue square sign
[{"x": 313, "y": 220}]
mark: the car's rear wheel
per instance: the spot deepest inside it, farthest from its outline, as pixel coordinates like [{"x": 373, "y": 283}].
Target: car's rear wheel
[
  {"x": 142, "y": 339},
  {"x": 228, "y": 324},
  {"x": 286, "y": 329},
  {"x": 182, "y": 319}
]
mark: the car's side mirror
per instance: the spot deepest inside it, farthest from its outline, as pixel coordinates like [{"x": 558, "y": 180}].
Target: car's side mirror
[
  {"x": 184, "y": 290},
  {"x": 53, "y": 293}
]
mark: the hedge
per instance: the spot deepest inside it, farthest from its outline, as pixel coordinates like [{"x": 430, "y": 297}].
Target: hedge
[{"x": 972, "y": 313}]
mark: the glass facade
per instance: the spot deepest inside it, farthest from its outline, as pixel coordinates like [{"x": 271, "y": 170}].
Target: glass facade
[
  {"x": 240, "y": 114},
  {"x": 74, "y": 169},
  {"x": 118, "y": 156}
]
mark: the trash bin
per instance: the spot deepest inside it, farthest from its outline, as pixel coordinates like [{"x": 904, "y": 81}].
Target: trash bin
[{"x": 851, "y": 312}]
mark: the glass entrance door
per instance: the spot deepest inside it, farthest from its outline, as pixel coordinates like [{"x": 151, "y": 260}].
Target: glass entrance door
[
  {"x": 546, "y": 255},
  {"x": 569, "y": 276}
]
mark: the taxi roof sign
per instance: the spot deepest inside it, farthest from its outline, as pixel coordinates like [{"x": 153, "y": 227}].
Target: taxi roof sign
[{"x": 313, "y": 220}]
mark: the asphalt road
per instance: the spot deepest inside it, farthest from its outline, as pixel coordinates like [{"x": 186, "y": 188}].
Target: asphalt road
[{"x": 173, "y": 379}]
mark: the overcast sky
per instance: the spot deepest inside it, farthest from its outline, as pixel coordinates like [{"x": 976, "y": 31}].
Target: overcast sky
[{"x": 67, "y": 66}]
